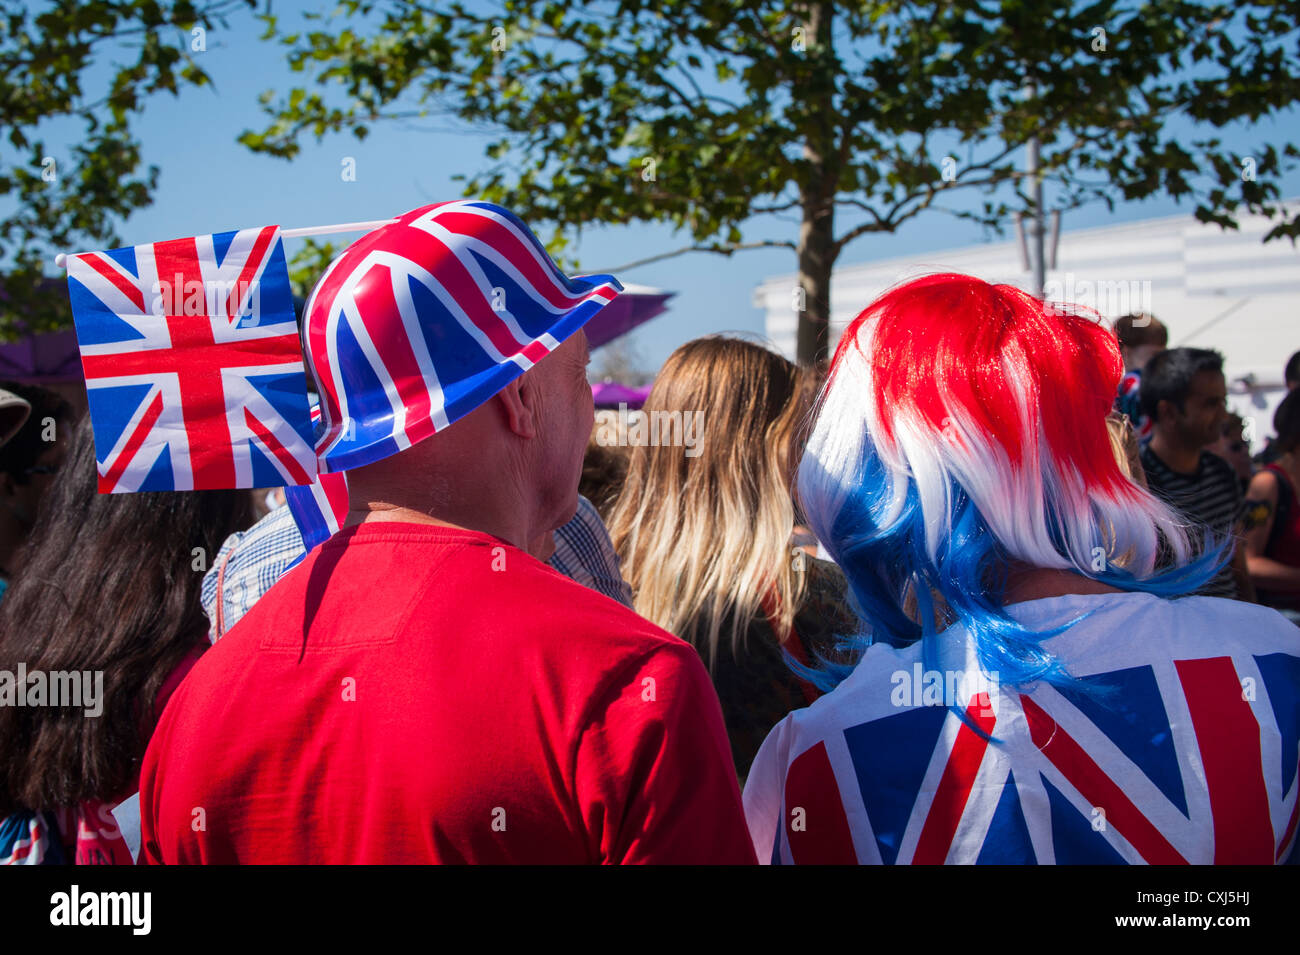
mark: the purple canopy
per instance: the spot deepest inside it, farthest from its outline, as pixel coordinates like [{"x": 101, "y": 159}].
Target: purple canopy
[
  {"x": 610, "y": 394},
  {"x": 636, "y": 306},
  {"x": 45, "y": 358}
]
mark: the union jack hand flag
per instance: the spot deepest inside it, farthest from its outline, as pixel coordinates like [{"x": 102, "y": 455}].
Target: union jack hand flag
[
  {"x": 193, "y": 366},
  {"x": 1189, "y": 757}
]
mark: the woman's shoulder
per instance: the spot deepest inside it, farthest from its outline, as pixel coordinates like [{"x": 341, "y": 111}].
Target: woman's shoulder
[
  {"x": 1270, "y": 475},
  {"x": 1269, "y": 483}
]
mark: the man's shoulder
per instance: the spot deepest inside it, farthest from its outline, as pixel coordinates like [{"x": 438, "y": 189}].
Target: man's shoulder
[
  {"x": 1151, "y": 462},
  {"x": 548, "y": 598},
  {"x": 1210, "y": 470},
  {"x": 1217, "y": 469}
]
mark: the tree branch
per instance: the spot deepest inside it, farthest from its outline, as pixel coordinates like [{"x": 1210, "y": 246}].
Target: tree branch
[
  {"x": 717, "y": 249},
  {"x": 859, "y": 204},
  {"x": 767, "y": 210},
  {"x": 703, "y": 96}
]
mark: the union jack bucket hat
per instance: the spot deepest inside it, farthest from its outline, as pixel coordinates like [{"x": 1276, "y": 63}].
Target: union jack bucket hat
[{"x": 421, "y": 321}]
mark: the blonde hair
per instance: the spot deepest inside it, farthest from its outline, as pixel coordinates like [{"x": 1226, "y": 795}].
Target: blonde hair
[
  {"x": 1124, "y": 447},
  {"x": 1128, "y": 455},
  {"x": 704, "y": 540}
]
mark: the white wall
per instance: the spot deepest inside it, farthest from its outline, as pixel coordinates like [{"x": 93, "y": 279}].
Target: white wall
[{"x": 1213, "y": 289}]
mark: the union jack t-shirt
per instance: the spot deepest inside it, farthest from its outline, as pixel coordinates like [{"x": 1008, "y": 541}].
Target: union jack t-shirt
[{"x": 1185, "y": 751}]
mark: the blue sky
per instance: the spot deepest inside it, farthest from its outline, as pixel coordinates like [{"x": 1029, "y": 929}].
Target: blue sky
[{"x": 210, "y": 183}]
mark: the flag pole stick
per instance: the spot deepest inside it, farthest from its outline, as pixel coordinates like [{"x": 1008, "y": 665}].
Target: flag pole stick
[
  {"x": 61, "y": 260},
  {"x": 332, "y": 229}
]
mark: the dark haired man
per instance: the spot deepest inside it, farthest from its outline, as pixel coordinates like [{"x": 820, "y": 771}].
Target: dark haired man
[
  {"x": 1185, "y": 395},
  {"x": 1291, "y": 374}
]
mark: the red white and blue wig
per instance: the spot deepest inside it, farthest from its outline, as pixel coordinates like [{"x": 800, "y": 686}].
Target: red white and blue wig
[{"x": 962, "y": 428}]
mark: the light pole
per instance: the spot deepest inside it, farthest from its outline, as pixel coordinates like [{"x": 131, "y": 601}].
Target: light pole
[{"x": 1038, "y": 229}]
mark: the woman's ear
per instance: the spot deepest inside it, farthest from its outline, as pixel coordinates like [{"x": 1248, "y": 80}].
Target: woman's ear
[{"x": 518, "y": 401}]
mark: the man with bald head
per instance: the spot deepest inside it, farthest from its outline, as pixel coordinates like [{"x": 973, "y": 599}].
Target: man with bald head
[{"x": 421, "y": 688}]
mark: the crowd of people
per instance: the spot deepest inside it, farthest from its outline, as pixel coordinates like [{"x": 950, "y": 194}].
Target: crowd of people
[
  {"x": 721, "y": 657},
  {"x": 1195, "y": 457}
]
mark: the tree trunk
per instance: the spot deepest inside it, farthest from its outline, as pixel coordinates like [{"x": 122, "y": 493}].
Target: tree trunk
[
  {"x": 816, "y": 258},
  {"x": 817, "y": 250}
]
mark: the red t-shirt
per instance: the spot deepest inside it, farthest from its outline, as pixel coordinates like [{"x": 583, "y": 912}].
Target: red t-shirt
[{"x": 411, "y": 693}]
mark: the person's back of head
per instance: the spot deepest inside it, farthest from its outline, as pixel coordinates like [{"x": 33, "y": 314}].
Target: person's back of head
[
  {"x": 31, "y": 455},
  {"x": 111, "y": 585},
  {"x": 962, "y": 434},
  {"x": 1291, "y": 374},
  {"x": 1286, "y": 424},
  {"x": 1140, "y": 336},
  {"x": 703, "y": 531}
]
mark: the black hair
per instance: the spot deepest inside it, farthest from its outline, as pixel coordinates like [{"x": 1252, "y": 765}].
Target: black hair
[
  {"x": 1168, "y": 376},
  {"x": 1292, "y": 372},
  {"x": 1134, "y": 331},
  {"x": 22, "y": 450},
  {"x": 1286, "y": 422},
  {"x": 109, "y": 583}
]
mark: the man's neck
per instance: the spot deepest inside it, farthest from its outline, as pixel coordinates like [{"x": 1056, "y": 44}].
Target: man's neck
[
  {"x": 1176, "y": 456},
  {"x": 377, "y": 512},
  {"x": 1035, "y": 583}
]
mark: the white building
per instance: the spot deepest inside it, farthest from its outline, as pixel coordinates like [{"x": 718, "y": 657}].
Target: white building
[{"x": 1213, "y": 289}]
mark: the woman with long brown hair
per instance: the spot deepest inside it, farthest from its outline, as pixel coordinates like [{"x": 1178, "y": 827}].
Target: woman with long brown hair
[
  {"x": 704, "y": 531},
  {"x": 107, "y": 604}
]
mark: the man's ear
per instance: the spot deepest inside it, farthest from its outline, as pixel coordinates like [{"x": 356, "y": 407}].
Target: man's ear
[{"x": 518, "y": 402}]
